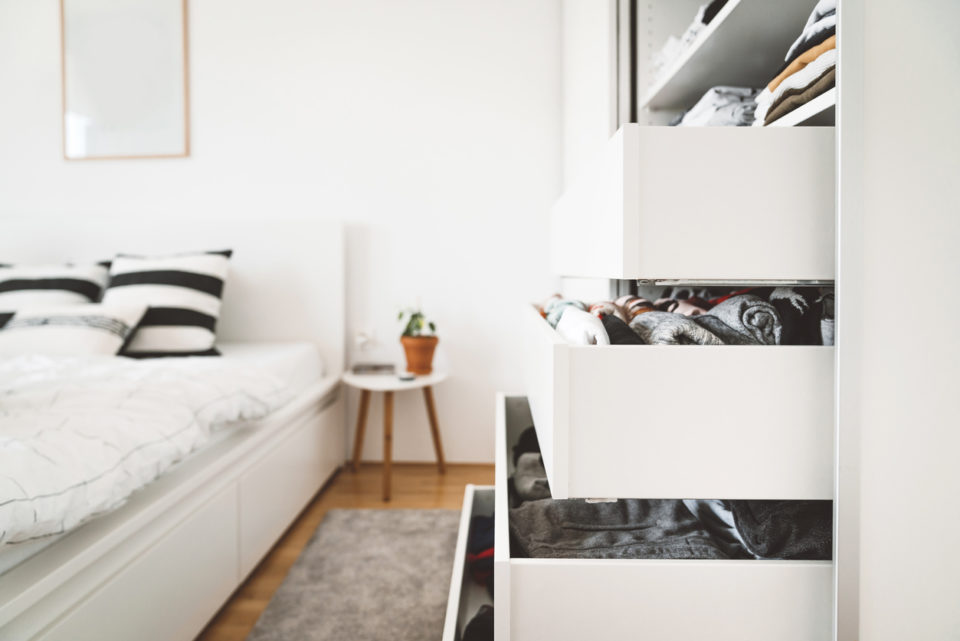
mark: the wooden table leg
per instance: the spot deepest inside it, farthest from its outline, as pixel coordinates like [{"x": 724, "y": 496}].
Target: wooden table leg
[
  {"x": 387, "y": 442},
  {"x": 361, "y": 427},
  {"x": 434, "y": 428}
]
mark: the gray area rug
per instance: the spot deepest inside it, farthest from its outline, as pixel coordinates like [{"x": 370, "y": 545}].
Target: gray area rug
[{"x": 367, "y": 575}]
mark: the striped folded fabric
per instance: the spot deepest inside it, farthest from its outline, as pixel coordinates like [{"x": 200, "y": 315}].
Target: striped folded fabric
[
  {"x": 70, "y": 330},
  {"x": 183, "y": 294},
  {"x": 27, "y": 286}
]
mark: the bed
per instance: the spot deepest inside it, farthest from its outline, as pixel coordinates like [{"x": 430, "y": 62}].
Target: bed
[{"x": 162, "y": 564}]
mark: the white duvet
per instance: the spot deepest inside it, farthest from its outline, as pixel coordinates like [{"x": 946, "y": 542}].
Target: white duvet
[{"x": 79, "y": 435}]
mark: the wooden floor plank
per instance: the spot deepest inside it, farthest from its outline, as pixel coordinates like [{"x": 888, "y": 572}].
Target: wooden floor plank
[{"x": 415, "y": 486}]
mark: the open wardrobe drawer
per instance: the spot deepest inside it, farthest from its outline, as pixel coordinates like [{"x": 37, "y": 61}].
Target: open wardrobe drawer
[
  {"x": 624, "y": 421},
  {"x": 627, "y": 598},
  {"x": 677, "y": 203},
  {"x": 467, "y": 596}
]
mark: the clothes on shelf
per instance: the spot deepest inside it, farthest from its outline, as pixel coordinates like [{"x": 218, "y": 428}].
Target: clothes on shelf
[
  {"x": 746, "y": 316},
  {"x": 721, "y": 107},
  {"x": 809, "y": 68},
  {"x": 661, "y": 528},
  {"x": 674, "y": 47}
]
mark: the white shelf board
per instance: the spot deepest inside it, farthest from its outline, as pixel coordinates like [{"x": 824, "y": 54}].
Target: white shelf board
[
  {"x": 743, "y": 46},
  {"x": 819, "y": 111},
  {"x": 728, "y": 204}
]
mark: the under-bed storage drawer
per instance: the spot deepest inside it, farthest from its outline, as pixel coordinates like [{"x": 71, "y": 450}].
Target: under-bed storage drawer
[
  {"x": 679, "y": 421},
  {"x": 282, "y": 482},
  {"x": 733, "y": 204},
  {"x": 191, "y": 571},
  {"x": 466, "y": 595},
  {"x": 575, "y": 599}
]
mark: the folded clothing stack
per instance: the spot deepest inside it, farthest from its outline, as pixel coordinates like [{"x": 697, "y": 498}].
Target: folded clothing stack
[
  {"x": 661, "y": 528},
  {"x": 722, "y": 107},
  {"x": 749, "y": 316},
  {"x": 674, "y": 47},
  {"x": 809, "y": 68},
  {"x": 480, "y": 551}
]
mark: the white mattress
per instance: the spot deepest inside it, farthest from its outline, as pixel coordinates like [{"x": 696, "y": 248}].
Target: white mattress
[{"x": 297, "y": 364}]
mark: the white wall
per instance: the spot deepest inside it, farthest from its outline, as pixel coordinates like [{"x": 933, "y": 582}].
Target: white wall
[
  {"x": 431, "y": 126},
  {"x": 899, "y": 351}
]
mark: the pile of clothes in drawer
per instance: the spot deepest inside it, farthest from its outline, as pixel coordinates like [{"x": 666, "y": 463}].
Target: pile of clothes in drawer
[
  {"x": 480, "y": 565},
  {"x": 808, "y": 71},
  {"x": 541, "y": 527},
  {"x": 688, "y": 316}
]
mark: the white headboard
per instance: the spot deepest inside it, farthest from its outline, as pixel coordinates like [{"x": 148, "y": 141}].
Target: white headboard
[{"x": 286, "y": 278}]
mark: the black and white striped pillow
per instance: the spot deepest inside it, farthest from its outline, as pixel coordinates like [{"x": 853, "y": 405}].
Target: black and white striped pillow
[
  {"x": 183, "y": 295},
  {"x": 71, "y": 330},
  {"x": 27, "y": 286}
]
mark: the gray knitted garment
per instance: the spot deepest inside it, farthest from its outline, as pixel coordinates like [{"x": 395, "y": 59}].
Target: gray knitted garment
[
  {"x": 750, "y": 316},
  {"x": 665, "y": 328},
  {"x": 625, "y": 529}
]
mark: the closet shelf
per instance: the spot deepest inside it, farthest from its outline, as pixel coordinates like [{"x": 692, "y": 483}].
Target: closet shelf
[
  {"x": 667, "y": 421},
  {"x": 730, "y": 204},
  {"x": 667, "y": 600},
  {"x": 742, "y": 46},
  {"x": 819, "y": 111}
]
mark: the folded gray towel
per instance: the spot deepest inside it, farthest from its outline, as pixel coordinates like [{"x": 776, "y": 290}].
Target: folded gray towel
[
  {"x": 750, "y": 316},
  {"x": 530, "y": 478},
  {"x": 625, "y": 529},
  {"x": 664, "y": 328}
]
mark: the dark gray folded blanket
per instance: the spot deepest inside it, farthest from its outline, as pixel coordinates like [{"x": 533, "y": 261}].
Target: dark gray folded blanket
[
  {"x": 664, "y": 328},
  {"x": 751, "y": 317},
  {"x": 530, "y": 478},
  {"x": 625, "y": 529},
  {"x": 786, "y": 529}
]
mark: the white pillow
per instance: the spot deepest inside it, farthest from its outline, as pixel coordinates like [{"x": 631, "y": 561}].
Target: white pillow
[
  {"x": 183, "y": 294},
  {"x": 23, "y": 286},
  {"x": 72, "y": 330}
]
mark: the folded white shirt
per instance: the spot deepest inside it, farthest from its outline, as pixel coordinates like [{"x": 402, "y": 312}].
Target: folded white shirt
[{"x": 582, "y": 328}]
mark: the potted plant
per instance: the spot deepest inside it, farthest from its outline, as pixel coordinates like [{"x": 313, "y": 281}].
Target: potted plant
[{"x": 419, "y": 341}]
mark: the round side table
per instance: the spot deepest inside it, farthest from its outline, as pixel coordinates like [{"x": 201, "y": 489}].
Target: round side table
[{"x": 388, "y": 384}]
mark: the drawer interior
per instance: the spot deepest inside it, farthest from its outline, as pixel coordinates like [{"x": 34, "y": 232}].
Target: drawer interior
[
  {"x": 467, "y": 596},
  {"x": 518, "y": 420}
]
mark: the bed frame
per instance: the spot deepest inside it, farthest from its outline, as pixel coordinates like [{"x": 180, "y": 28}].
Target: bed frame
[{"x": 161, "y": 566}]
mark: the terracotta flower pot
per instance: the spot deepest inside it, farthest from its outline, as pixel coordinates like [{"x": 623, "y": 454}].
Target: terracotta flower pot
[{"x": 419, "y": 351}]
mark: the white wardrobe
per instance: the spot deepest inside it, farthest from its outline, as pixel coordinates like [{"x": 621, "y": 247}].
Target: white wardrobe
[{"x": 855, "y": 190}]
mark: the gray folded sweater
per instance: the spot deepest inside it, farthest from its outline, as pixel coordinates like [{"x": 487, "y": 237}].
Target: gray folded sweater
[
  {"x": 750, "y": 317},
  {"x": 665, "y": 328},
  {"x": 625, "y": 529}
]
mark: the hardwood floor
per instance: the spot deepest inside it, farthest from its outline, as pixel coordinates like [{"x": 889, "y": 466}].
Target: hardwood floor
[{"x": 414, "y": 486}]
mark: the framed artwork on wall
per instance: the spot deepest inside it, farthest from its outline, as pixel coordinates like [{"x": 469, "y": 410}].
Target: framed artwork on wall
[{"x": 124, "y": 73}]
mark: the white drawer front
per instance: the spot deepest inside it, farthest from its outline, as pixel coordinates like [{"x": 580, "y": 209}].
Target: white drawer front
[
  {"x": 725, "y": 203},
  {"x": 575, "y": 599},
  {"x": 466, "y": 596},
  {"x": 191, "y": 572},
  {"x": 652, "y": 421},
  {"x": 277, "y": 487}
]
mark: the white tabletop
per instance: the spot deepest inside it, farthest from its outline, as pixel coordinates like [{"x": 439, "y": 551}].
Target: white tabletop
[{"x": 390, "y": 382}]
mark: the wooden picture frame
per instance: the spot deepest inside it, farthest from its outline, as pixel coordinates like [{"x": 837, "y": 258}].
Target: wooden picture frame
[{"x": 120, "y": 142}]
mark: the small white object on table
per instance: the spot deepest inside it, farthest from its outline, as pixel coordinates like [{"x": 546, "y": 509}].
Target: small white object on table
[{"x": 388, "y": 384}]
